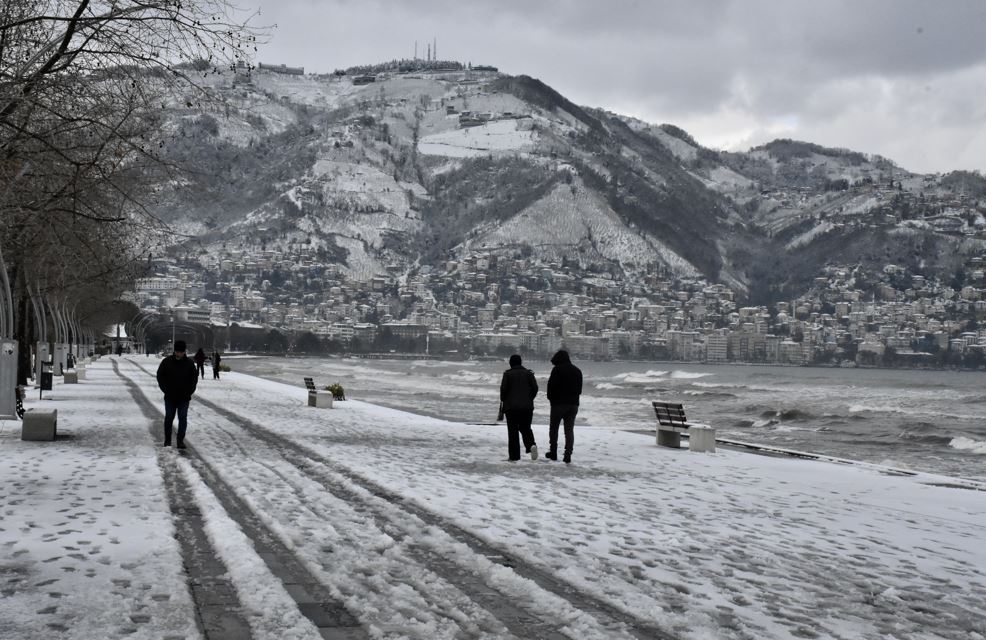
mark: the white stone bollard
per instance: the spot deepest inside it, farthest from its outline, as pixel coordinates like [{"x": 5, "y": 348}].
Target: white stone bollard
[
  {"x": 80, "y": 372},
  {"x": 702, "y": 438},
  {"x": 39, "y": 424},
  {"x": 71, "y": 376},
  {"x": 320, "y": 399}
]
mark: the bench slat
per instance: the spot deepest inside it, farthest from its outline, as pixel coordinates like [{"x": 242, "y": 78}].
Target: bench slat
[{"x": 670, "y": 414}]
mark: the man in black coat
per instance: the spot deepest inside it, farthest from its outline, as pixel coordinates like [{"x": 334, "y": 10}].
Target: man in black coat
[
  {"x": 517, "y": 391},
  {"x": 177, "y": 378},
  {"x": 564, "y": 389}
]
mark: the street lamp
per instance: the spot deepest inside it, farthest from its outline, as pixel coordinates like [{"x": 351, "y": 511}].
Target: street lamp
[{"x": 172, "y": 332}]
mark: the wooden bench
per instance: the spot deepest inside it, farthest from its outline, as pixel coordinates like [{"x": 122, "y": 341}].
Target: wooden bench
[
  {"x": 671, "y": 423},
  {"x": 316, "y": 398}
]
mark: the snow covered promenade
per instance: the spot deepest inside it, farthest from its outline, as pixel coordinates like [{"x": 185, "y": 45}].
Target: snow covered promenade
[{"x": 289, "y": 522}]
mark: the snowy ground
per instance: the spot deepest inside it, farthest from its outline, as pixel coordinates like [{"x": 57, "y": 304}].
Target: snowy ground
[
  {"x": 390, "y": 512},
  {"x": 497, "y": 136}
]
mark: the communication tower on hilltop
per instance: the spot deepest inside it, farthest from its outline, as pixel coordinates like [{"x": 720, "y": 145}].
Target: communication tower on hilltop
[{"x": 431, "y": 50}]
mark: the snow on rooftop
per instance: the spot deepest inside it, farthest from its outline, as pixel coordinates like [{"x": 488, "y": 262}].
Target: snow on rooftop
[{"x": 725, "y": 545}]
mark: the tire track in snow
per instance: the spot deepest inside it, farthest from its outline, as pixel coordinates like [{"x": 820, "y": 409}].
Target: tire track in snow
[
  {"x": 216, "y": 618},
  {"x": 313, "y": 600},
  {"x": 355, "y": 488}
]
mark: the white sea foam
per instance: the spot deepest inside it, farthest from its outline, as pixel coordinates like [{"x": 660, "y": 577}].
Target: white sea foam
[
  {"x": 968, "y": 444},
  {"x": 861, "y": 408},
  {"x": 650, "y": 374},
  {"x": 608, "y": 385},
  {"x": 783, "y": 428},
  {"x": 443, "y": 363},
  {"x": 688, "y": 375}
]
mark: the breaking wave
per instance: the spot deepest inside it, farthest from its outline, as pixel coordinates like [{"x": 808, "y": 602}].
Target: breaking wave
[
  {"x": 708, "y": 394},
  {"x": 786, "y": 415},
  {"x": 607, "y": 385},
  {"x": 640, "y": 378},
  {"x": 968, "y": 444},
  {"x": 688, "y": 375}
]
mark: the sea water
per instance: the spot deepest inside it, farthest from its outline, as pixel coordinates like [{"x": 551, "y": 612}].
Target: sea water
[{"x": 932, "y": 421}]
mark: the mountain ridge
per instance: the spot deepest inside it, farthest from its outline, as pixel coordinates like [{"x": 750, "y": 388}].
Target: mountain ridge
[{"x": 416, "y": 168}]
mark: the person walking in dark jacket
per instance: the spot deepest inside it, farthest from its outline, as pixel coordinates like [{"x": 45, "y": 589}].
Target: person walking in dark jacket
[
  {"x": 199, "y": 359},
  {"x": 215, "y": 365},
  {"x": 564, "y": 389},
  {"x": 517, "y": 390},
  {"x": 177, "y": 379}
]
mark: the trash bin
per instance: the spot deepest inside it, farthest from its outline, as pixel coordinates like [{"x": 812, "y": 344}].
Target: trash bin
[{"x": 46, "y": 375}]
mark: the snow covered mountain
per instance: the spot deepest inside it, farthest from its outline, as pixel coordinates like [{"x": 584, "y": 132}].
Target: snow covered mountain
[{"x": 418, "y": 167}]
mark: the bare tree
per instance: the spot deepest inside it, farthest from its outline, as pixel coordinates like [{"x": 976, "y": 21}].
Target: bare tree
[{"x": 83, "y": 87}]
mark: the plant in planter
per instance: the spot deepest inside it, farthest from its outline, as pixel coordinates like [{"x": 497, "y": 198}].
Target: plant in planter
[
  {"x": 224, "y": 367},
  {"x": 338, "y": 393}
]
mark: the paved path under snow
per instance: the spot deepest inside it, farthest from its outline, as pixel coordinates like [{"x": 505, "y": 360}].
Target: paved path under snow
[{"x": 364, "y": 522}]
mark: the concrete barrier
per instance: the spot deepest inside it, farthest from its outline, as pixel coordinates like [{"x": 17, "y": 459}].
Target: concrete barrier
[
  {"x": 39, "y": 424},
  {"x": 71, "y": 376},
  {"x": 320, "y": 399},
  {"x": 702, "y": 438}
]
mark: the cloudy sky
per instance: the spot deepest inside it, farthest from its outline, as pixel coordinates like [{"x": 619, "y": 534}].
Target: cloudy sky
[{"x": 905, "y": 79}]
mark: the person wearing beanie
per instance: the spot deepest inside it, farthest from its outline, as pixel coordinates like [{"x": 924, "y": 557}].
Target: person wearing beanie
[
  {"x": 564, "y": 389},
  {"x": 517, "y": 391},
  {"x": 177, "y": 378}
]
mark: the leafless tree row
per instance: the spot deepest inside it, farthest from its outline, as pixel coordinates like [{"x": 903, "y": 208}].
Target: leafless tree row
[{"x": 84, "y": 90}]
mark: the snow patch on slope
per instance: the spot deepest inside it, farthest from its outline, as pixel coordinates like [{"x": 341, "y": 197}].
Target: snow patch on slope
[
  {"x": 500, "y": 136},
  {"x": 808, "y": 236},
  {"x": 570, "y": 217}
]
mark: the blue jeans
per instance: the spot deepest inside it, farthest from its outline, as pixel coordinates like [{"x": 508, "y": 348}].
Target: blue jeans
[{"x": 170, "y": 408}]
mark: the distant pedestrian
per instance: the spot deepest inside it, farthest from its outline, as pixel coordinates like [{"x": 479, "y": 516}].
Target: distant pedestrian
[
  {"x": 564, "y": 389},
  {"x": 199, "y": 359},
  {"x": 215, "y": 365},
  {"x": 517, "y": 391},
  {"x": 177, "y": 378}
]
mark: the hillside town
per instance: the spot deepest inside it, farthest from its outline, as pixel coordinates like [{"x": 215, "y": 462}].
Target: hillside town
[{"x": 495, "y": 304}]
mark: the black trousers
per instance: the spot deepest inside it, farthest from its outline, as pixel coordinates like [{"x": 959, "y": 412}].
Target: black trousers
[
  {"x": 170, "y": 409},
  {"x": 519, "y": 426},
  {"x": 560, "y": 413},
  {"x": 201, "y": 367}
]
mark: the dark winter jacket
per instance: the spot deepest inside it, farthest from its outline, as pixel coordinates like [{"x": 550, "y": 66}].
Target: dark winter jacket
[
  {"x": 199, "y": 357},
  {"x": 565, "y": 381},
  {"x": 177, "y": 378},
  {"x": 518, "y": 388}
]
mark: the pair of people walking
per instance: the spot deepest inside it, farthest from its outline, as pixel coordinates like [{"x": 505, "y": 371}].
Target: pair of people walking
[{"x": 519, "y": 387}]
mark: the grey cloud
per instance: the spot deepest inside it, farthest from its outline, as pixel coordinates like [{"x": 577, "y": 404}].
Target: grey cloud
[{"x": 761, "y": 61}]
